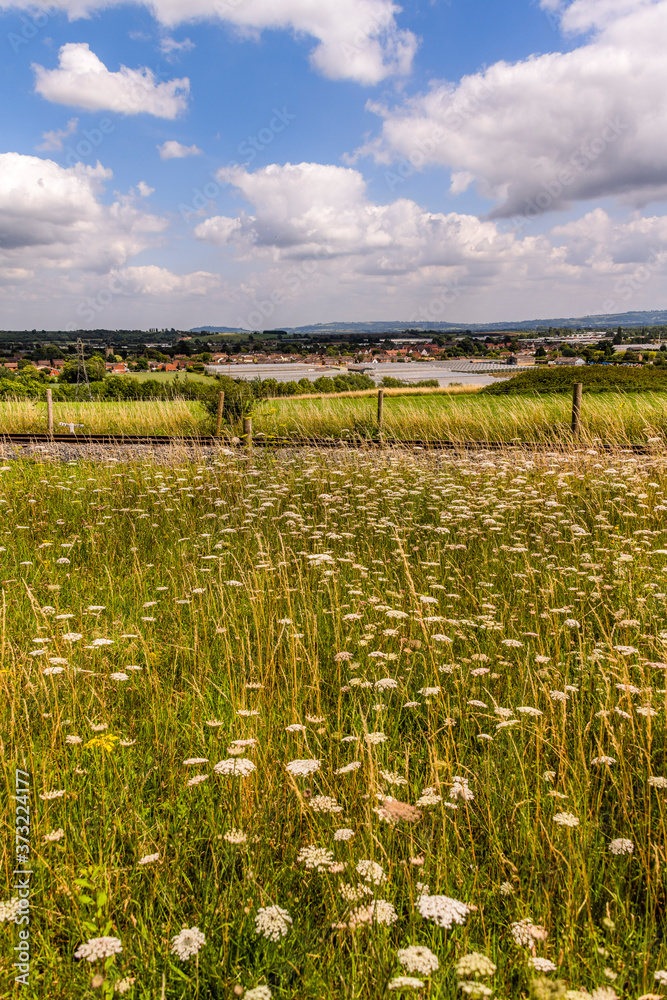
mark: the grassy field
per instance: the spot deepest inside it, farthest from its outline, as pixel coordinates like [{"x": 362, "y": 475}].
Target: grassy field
[
  {"x": 327, "y": 711},
  {"x": 154, "y": 416},
  {"x": 459, "y": 415},
  {"x": 612, "y": 417}
]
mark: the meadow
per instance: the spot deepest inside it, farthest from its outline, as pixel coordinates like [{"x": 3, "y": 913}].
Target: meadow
[
  {"x": 346, "y": 725},
  {"x": 457, "y": 415},
  {"x": 610, "y": 418}
]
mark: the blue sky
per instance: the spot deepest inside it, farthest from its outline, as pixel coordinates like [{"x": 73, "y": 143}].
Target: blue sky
[{"x": 274, "y": 162}]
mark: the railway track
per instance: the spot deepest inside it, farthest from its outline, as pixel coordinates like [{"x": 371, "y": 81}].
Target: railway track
[{"x": 207, "y": 441}]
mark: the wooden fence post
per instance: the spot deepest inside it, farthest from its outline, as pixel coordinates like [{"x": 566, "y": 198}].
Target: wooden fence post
[
  {"x": 247, "y": 432},
  {"x": 218, "y": 426},
  {"x": 49, "y": 411},
  {"x": 380, "y": 411},
  {"x": 576, "y": 407}
]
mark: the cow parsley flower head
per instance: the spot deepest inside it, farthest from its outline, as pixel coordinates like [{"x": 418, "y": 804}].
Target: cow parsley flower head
[
  {"x": 474, "y": 964},
  {"x": 657, "y": 782},
  {"x": 418, "y": 958},
  {"x": 566, "y": 819},
  {"x": 343, "y": 834},
  {"x": 542, "y": 964},
  {"x": 379, "y": 912},
  {"x": 98, "y": 948},
  {"x": 302, "y": 768},
  {"x": 272, "y": 922},
  {"x": 375, "y": 738},
  {"x": 525, "y": 932},
  {"x": 460, "y": 790},
  {"x": 370, "y": 871},
  {"x": 473, "y": 988},
  {"x": 660, "y": 977},
  {"x": 234, "y": 836},
  {"x": 187, "y": 943},
  {"x": 318, "y": 858},
  {"x": 443, "y": 910},
  {"x": 404, "y": 983},
  {"x": 325, "y": 803},
  {"x": 9, "y": 910},
  {"x": 241, "y": 766},
  {"x": 258, "y": 993},
  {"x": 621, "y": 846}
]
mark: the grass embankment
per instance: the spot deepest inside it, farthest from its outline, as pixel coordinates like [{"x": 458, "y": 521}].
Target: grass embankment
[
  {"x": 608, "y": 418},
  {"x": 152, "y": 416},
  {"x": 470, "y": 656}
]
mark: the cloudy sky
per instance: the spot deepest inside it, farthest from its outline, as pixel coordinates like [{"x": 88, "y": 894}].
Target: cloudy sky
[{"x": 263, "y": 163}]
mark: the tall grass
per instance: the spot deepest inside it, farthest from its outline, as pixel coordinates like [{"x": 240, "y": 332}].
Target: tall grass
[
  {"x": 499, "y": 622},
  {"x": 155, "y": 416},
  {"x": 609, "y": 418}
]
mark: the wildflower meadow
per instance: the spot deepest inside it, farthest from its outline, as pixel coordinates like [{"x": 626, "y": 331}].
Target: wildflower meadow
[{"x": 343, "y": 725}]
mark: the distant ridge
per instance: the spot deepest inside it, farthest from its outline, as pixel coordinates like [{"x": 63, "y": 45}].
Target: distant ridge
[{"x": 599, "y": 322}]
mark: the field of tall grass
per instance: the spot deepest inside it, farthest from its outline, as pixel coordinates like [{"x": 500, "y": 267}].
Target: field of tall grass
[
  {"x": 346, "y": 725},
  {"x": 611, "y": 418},
  {"x": 457, "y": 415},
  {"x": 151, "y": 416}
]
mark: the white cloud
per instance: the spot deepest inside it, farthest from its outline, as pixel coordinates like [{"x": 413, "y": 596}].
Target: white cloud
[
  {"x": 54, "y": 140},
  {"x": 356, "y": 39},
  {"x": 83, "y": 81},
  {"x": 553, "y": 129},
  {"x": 173, "y": 150},
  {"x": 315, "y": 237},
  {"x": 158, "y": 281},
  {"x": 582, "y": 15},
  {"x": 53, "y": 217}
]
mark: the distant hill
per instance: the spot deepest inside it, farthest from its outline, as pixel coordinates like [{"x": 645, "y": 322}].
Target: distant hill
[{"x": 599, "y": 322}]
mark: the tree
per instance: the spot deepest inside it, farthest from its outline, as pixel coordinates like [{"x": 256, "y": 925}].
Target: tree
[{"x": 540, "y": 352}]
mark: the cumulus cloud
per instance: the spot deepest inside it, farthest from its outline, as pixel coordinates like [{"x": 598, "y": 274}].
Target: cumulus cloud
[
  {"x": 53, "y": 217},
  {"x": 54, "y": 139},
  {"x": 158, "y": 281},
  {"x": 315, "y": 230},
  {"x": 553, "y": 129},
  {"x": 582, "y": 15},
  {"x": 356, "y": 39},
  {"x": 173, "y": 150},
  {"x": 82, "y": 80}
]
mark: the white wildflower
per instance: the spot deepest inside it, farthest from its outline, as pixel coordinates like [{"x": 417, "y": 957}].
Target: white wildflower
[
  {"x": 242, "y": 766},
  {"x": 98, "y": 948},
  {"x": 187, "y": 943},
  {"x": 418, "y": 958},
  {"x": 443, "y": 910},
  {"x": 272, "y": 922}
]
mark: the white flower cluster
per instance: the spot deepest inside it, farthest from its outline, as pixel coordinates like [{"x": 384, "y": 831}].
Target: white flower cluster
[
  {"x": 543, "y": 964},
  {"x": 621, "y": 846},
  {"x": 234, "y": 836},
  {"x": 9, "y": 909},
  {"x": 302, "y": 768},
  {"x": 272, "y": 922},
  {"x": 379, "y": 912},
  {"x": 371, "y": 871},
  {"x": 443, "y": 910},
  {"x": 460, "y": 789},
  {"x": 325, "y": 804},
  {"x": 318, "y": 858},
  {"x": 98, "y": 948},
  {"x": 525, "y": 932},
  {"x": 187, "y": 943},
  {"x": 566, "y": 819},
  {"x": 475, "y": 964},
  {"x": 404, "y": 983},
  {"x": 241, "y": 766},
  {"x": 418, "y": 958},
  {"x": 258, "y": 993}
]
